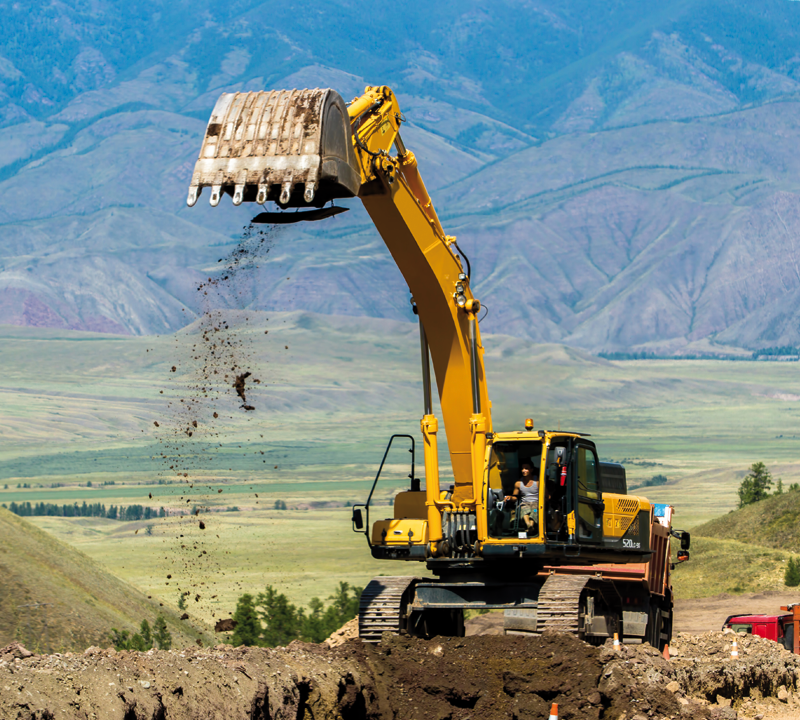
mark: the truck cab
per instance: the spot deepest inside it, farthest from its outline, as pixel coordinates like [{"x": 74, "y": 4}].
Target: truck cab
[{"x": 779, "y": 628}]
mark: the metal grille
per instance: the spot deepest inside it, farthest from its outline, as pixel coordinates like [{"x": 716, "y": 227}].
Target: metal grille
[{"x": 627, "y": 505}]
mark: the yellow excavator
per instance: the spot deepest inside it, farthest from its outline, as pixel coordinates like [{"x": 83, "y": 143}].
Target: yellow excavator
[{"x": 534, "y": 523}]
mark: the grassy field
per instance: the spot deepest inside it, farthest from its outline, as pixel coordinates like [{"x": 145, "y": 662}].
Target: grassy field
[
  {"x": 304, "y": 553},
  {"x": 82, "y": 408}
]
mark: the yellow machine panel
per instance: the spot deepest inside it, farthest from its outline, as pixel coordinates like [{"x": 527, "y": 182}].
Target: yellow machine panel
[
  {"x": 410, "y": 505},
  {"x": 402, "y": 531},
  {"x": 620, "y": 512}
]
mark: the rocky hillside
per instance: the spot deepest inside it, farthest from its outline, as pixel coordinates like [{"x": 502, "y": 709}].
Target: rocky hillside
[{"x": 622, "y": 176}]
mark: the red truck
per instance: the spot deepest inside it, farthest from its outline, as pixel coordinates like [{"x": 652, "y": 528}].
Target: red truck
[{"x": 782, "y": 629}]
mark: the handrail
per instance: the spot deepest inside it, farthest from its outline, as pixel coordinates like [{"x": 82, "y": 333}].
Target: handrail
[{"x": 412, "y": 450}]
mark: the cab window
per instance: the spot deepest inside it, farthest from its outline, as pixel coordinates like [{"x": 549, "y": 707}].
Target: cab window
[
  {"x": 744, "y": 628},
  {"x": 506, "y": 460},
  {"x": 587, "y": 474},
  {"x": 505, "y": 464}
]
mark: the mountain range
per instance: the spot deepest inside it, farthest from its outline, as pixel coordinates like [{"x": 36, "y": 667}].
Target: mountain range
[{"x": 623, "y": 176}]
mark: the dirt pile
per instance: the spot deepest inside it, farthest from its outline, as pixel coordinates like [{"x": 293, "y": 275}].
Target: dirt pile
[
  {"x": 762, "y": 679},
  {"x": 484, "y": 677},
  {"x": 348, "y": 631}
]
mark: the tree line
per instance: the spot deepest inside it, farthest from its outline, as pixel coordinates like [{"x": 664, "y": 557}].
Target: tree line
[
  {"x": 123, "y": 512},
  {"x": 147, "y": 637},
  {"x": 269, "y": 619}
]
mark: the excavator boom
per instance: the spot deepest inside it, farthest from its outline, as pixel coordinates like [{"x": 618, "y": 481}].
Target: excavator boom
[{"x": 303, "y": 148}]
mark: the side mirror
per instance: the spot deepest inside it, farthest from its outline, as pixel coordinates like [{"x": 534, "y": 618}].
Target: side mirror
[
  {"x": 684, "y": 537},
  {"x": 358, "y": 519},
  {"x": 683, "y": 556}
]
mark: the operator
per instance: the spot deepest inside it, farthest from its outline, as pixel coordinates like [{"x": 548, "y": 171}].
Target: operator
[{"x": 526, "y": 491}]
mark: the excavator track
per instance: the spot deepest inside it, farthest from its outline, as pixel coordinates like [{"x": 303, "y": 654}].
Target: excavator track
[
  {"x": 382, "y": 607},
  {"x": 559, "y": 604}
]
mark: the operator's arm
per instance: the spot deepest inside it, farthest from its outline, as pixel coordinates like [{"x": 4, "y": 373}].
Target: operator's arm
[{"x": 516, "y": 492}]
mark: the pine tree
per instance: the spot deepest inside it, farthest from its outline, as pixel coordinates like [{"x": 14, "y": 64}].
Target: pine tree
[
  {"x": 280, "y": 618},
  {"x": 161, "y": 635},
  {"x": 120, "y": 639},
  {"x": 314, "y": 627},
  {"x": 137, "y": 643},
  {"x": 755, "y": 485},
  {"x": 248, "y": 628},
  {"x": 147, "y": 634},
  {"x": 791, "y": 577}
]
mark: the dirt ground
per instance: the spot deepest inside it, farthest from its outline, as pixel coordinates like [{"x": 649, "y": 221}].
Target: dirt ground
[
  {"x": 478, "y": 677},
  {"x": 483, "y": 676}
]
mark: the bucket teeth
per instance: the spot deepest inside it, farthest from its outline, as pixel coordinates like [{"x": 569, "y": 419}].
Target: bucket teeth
[
  {"x": 264, "y": 145},
  {"x": 286, "y": 191}
]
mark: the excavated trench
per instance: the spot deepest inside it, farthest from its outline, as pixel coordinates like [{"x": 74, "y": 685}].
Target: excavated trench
[{"x": 482, "y": 677}]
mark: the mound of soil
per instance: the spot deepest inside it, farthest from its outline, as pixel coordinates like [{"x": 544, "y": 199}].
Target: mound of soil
[{"x": 482, "y": 677}]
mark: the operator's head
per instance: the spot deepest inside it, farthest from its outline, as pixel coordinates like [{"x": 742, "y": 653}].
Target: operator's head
[{"x": 528, "y": 468}]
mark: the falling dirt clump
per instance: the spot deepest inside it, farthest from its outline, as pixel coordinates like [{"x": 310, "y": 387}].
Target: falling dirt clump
[
  {"x": 225, "y": 625},
  {"x": 238, "y": 384}
]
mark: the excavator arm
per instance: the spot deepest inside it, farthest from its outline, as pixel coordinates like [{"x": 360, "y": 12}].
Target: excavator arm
[{"x": 302, "y": 149}]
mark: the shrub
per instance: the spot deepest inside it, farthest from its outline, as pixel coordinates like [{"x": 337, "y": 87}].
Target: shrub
[
  {"x": 791, "y": 578},
  {"x": 655, "y": 480}
]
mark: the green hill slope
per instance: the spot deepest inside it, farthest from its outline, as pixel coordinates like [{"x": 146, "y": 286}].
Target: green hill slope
[
  {"x": 745, "y": 550},
  {"x": 54, "y": 598},
  {"x": 774, "y": 523},
  {"x": 727, "y": 566}
]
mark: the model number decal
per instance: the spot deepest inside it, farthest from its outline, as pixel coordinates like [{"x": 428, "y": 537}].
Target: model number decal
[{"x": 631, "y": 544}]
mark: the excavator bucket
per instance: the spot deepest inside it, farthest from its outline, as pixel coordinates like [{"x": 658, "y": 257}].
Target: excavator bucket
[{"x": 294, "y": 147}]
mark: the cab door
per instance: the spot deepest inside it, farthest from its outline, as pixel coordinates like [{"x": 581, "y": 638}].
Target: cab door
[{"x": 590, "y": 506}]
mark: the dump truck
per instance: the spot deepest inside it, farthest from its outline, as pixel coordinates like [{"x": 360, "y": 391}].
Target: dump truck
[{"x": 534, "y": 523}]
